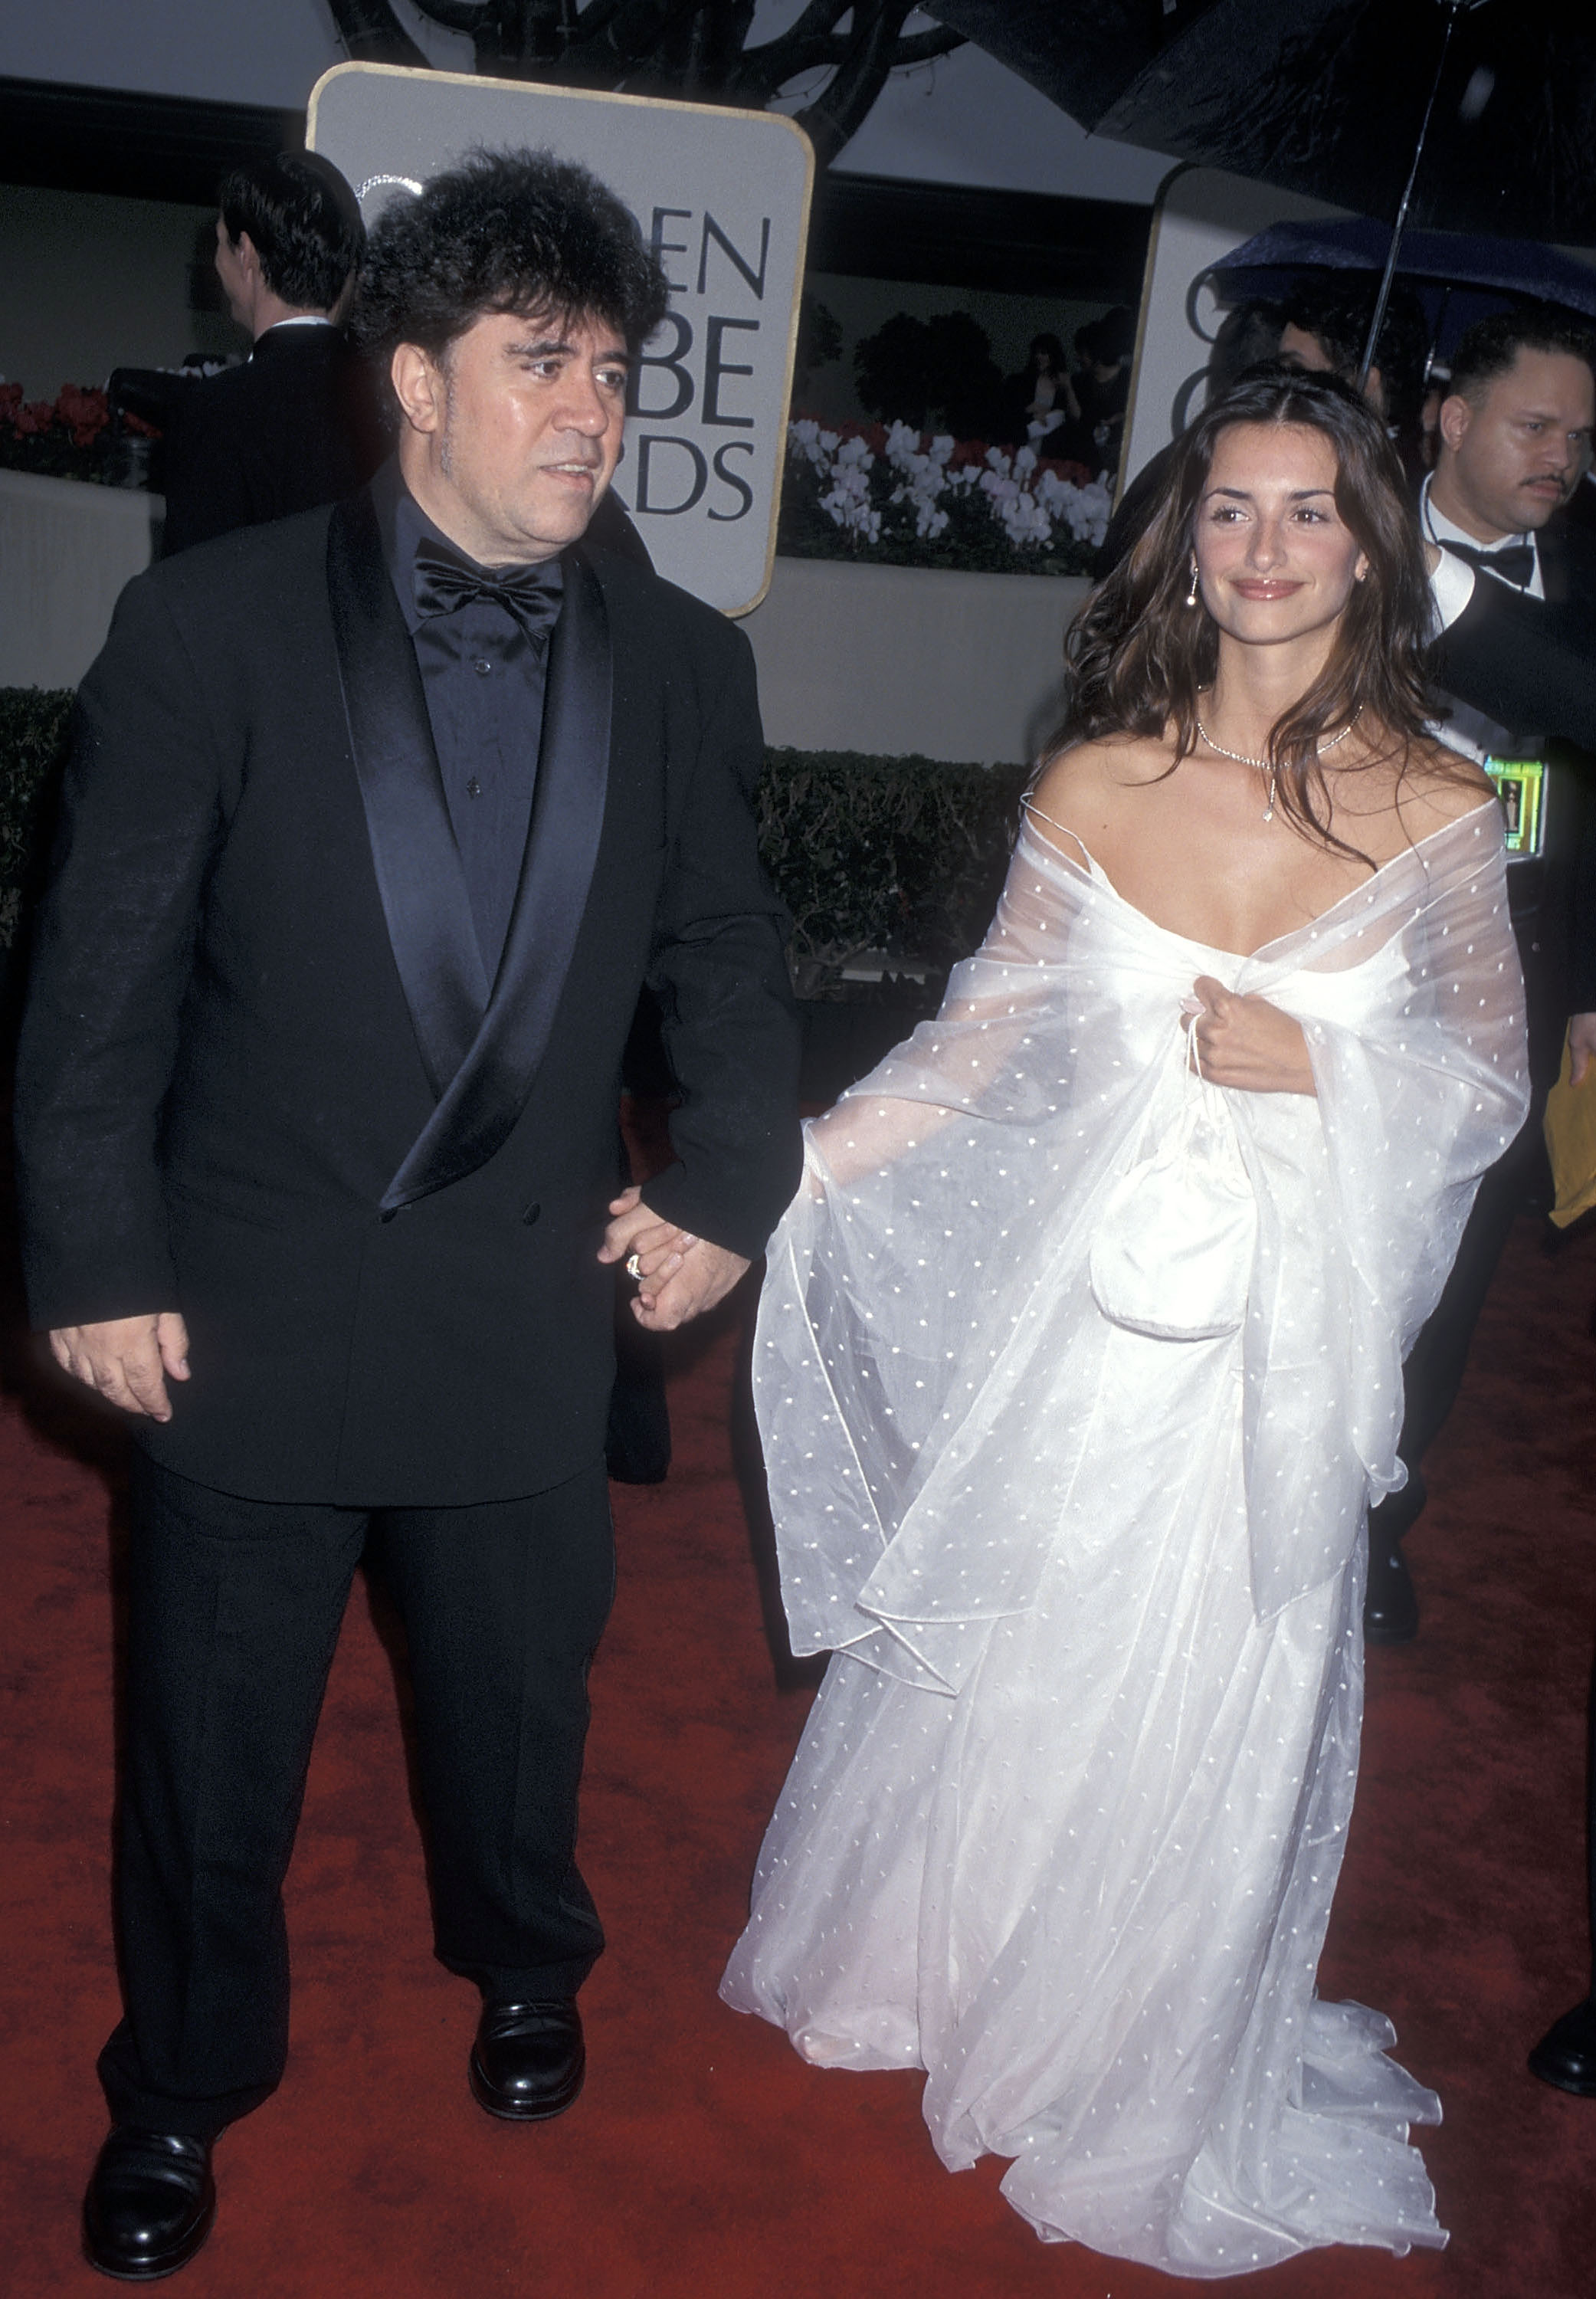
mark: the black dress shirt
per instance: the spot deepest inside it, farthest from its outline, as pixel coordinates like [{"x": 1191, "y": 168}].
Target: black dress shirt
[{"x": 483, "y": 675}]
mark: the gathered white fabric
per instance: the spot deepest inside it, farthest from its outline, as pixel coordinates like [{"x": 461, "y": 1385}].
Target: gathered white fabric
[
  {"x": 1172, "y": 1250},
  {"x": 1076, "y": 1376}
]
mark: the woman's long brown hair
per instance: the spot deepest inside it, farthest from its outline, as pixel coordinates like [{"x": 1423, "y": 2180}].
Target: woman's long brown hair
[{"x": 1139, "y": 655}]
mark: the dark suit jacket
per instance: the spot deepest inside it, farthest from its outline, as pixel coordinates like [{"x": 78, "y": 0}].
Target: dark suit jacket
[
  {"x": 1522, "y": 662},
  {"x": 295, "y": 426},
  {"x": 1531, "y": 665},
  {"x": 260, "y": 1077}
]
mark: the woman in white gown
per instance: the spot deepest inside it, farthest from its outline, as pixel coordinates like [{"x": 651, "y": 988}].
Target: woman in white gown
[{"x": 1079, "y": 1364}]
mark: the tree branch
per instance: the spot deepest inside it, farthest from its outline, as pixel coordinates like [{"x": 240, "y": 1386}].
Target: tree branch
[
  {"x": 811, "y": 44},
  {"x": 925, "y": 47},
  {"x": 804, "y": 45},
  {"x": 696, "y": 47},
  {"x": 841, "y": 106},
  {"x": 373, "y": 34},
  {"x": 625, "y": 38}
]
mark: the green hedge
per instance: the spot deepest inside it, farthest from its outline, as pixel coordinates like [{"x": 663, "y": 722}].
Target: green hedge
[{"x": 904, "y": 855}]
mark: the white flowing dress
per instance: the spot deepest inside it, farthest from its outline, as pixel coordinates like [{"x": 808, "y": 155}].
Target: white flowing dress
[{"x": 1067, "y": 1816}]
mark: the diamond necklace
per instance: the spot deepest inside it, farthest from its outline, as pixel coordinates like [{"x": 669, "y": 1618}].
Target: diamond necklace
[{"x": 1264, "y": 766}]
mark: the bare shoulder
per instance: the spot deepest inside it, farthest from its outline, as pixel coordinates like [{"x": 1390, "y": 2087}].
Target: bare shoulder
[
  {"x": 1440, "y": 786},
  {"x": 1079, "y": 787}
]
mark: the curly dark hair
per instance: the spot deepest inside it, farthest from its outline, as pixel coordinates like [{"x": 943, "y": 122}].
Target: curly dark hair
[
  {"x": 1139, "y": 656},
  {"x": 505, "y": 231},
  {"x": 1336, "y": 313},
  {"x": 1491, "y": 347},
  {"x": 304, "y": 223}
]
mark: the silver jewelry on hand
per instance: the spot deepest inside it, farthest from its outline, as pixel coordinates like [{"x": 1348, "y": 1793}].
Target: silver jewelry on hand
[
  {"x": 634, "y": 1269},
  {"x": 1264, "y": 766}
]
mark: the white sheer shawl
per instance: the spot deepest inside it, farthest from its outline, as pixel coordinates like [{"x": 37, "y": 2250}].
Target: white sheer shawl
[{"x": 928, "y": 1346}]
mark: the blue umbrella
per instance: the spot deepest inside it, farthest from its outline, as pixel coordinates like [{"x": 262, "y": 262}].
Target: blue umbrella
[{"x": 1458, "y": 276}]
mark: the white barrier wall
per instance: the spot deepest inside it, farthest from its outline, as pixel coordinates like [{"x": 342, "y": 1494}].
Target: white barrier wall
[
  {"x": 886, "y": 659},
  {"x": 892, "y": 659},
  {"x": 66, "y": 549}
]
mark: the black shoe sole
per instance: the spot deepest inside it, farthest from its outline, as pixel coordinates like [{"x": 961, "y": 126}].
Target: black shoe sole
[
  {"x": 1390, "y": 1632},
  {"x": 1575, "y": 2090},
  {"x": 155, "y": 2271},
  {"x": 514, "y": 2112}
]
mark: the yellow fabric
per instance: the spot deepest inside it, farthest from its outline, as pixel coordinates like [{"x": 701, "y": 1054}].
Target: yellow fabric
[{"x": 1571, "y": 1143}]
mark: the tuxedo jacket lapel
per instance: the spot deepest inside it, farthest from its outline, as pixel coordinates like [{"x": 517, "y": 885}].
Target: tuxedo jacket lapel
[
  {"x": 418, "y": 871},
  {"x": 483, "y": 1100},
  {"x": 1552, "y": 547}
]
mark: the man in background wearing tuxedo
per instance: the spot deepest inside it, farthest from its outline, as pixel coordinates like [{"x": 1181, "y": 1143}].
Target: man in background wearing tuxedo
[
  {"x": 296, "y": 424},
  {"x": 1327, "y": 319},
  {"x": 376, "y": 821},
  {"x": 1514, "y": 443}
]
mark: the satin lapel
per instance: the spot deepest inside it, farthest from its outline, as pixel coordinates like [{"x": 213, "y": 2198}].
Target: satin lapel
[
  {"x": 418, "y": 872},
  {"x": 489, "y": 1092}
]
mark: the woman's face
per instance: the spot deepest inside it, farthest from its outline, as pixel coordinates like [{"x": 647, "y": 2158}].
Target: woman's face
[{"x": 1275, "y": 560}]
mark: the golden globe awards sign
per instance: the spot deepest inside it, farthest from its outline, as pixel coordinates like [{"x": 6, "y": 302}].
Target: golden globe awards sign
[{"x": 723, "y": 197}]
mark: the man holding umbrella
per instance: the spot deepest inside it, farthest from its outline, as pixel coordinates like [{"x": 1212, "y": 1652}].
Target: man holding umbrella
[{"x": 1514, "y": 441}]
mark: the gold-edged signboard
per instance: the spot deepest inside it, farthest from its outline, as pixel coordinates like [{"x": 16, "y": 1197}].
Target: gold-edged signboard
[{"x": 722, "y": 195}]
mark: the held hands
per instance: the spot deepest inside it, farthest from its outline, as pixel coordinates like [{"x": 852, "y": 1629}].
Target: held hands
[
  {"x": 682, "y": 1275},
  {"x": 1248, "y": 1044},
  {"x": 127, "y": 1360}
]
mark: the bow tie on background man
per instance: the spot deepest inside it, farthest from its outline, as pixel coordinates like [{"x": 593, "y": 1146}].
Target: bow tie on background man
[
  {"x": 533, "y": 595},
  {"x": 1515, "y": 562}
]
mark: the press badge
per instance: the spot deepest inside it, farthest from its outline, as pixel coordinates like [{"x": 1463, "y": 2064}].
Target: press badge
[{"x": 1521, "y": 787}]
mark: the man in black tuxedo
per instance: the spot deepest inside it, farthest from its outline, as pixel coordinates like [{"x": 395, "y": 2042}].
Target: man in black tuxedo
[
  {"x": 296, "y": 424},
  {"x": 376, "y": 821},
  {"x": 1514, "y": 441}
]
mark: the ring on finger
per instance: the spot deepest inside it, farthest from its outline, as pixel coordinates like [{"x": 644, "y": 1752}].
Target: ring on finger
[{"x": 634, "y": 1269}]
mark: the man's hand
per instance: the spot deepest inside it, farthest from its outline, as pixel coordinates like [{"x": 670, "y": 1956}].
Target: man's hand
[
  {"x": 127, "y": 1360},
  {"x": 1248, "y": 1044},
  {"x": 681, "y": 1276},
  {"x": 1582, "y": 1046}
]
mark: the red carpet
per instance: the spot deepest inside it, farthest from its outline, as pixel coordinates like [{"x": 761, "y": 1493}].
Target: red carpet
[{"x": 704, "y": 2158}]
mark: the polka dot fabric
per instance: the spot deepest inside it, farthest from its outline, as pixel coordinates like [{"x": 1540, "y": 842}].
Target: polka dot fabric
[{"x": 1066, "y": 1821}]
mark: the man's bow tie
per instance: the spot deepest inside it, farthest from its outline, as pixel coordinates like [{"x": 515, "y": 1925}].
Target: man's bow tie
[
  {"x": 531, "y": 594},
  {"x": 1515, "y": 563}
]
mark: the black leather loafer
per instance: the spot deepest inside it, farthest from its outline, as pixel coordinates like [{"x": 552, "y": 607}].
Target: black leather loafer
[
  {"x": 149, "y": 2205},
  {"x": 1390, "y": 1602},
  {"x": 528, "y": 2060},
  {"x": 1566, "y": 2054}
]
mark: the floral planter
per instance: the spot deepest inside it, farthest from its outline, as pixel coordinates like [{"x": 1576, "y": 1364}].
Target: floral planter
[{"x": 891, "y": 496}]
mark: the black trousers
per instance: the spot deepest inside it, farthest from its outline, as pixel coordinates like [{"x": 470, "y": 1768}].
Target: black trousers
[
  {"x": 234, "y": 1608},
  {"x": 1434, "y": 1373}
]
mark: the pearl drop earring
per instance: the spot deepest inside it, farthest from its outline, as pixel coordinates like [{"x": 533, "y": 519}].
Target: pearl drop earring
[{"x": 1193, "y": 594}]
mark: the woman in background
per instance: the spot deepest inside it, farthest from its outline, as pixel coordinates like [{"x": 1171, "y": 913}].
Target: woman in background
[
  {"x": 1079, "y": 1365},
  {"x": 1038, "y": 397}
]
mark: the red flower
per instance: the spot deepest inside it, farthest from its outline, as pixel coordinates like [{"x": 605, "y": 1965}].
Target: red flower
[
  {"x": 85, "y": 413},
  {"x": 35, "y": 419},
  {"x": 1077, "y": 474},
  {"x": 11, "y": 401}
]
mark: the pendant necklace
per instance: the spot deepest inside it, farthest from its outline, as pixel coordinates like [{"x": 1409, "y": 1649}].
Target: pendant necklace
[{"x": 1264, "y": 766}]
